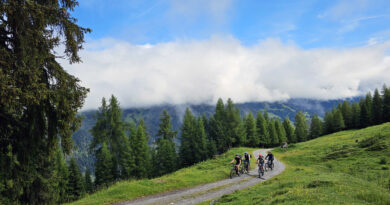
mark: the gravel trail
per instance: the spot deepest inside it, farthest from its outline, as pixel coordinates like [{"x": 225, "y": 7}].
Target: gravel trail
[{"x": 213, "y": 190}]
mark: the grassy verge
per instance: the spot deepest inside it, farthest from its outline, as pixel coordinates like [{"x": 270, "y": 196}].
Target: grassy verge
[
  {"x": 201, "y": 173},
  {"x": 333, "y": 169}
]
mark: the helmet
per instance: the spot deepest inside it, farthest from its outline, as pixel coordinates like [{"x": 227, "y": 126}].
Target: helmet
[
  {"x": 246, "y": 152},
  {"x": 237, "y": 155},
  {"x": 260, "y": 155}
]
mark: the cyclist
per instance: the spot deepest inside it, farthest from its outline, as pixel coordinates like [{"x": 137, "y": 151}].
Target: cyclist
[
  {"x": 260, "y": 161},
  {"x": 238, "y": 160},
  {"x": 270, "y": 157},
  {"x": 247, "y": 159}
]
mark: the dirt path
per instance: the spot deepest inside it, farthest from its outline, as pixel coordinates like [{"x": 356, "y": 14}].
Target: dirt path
[{"x": 210, "y": 191}]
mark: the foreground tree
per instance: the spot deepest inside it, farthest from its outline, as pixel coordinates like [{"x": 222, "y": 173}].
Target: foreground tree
[
  {"x": 315, "y": 127},
  {"x": 75, "y": 186},
  {"x": 289, "y": 130},
  {"x": 301, "y": 130},
  {"x": 386, "y": 104},
  {"x": 262, "y": 130},
  {"x": 103, "y": 166},
  {"x": 250, "y": 127},
  {"x": 38, "y": 99}
]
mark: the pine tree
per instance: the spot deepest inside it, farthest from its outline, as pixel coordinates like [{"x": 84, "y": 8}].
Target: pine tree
[
  {"x": 328, "y": 123},
  {"x": 250, "y": 126},
  {"x": 39, "y": 100},
  {"x": 274, "y": 139},
  {"x": 301, "y": 130},
  {"x": 315, "y": 127},
  {"x": 346, "y": 111},
  {"x": 232, "y": 121},
  {"x": 281, "y": 133},
  {"x": 187, "y": 155},
  {"x": 289, "y": 130},
  {"x": 338, "y": 121},
  {"x": 241, "y": 133},
  {"x": 165, "y": 160},
  {"x": 368, "y": 102},
  {"x": 200, "y": 140},
  {"x": 88, "y": 181},
  {"x": 63, "y": 174},
  {"x": 386, "y": 104},
  {"x": 223, "y": 140},
  {"x": 262, "y": 130},
  {"x": 364, "y": 114},
  {"x": 103, "y": 166},
  {"x": 377, "y": 108},
  {"x": 75, "y": 187},
  {"x": 142, "y": 154},
  {"x": 355, "y": 115}
]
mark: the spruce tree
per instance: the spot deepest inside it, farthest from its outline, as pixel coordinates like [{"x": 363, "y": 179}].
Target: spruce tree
[
  {"x": 368, "y": 102},
  {"x": 346, "y": 110},
  {"x": 289, "y": 130},
  {"x": 232, "y": 121},
  {"x": 63, "y": 174},
  {"x": 142, "y": 155},
  {"x": 281, "y": 133},
  {"x": 386, "y": 104},
  {"x": 338, "y": 121},
  {"x": 328, "y": 123},
  {"x": 251, "y": 135},
  {"x": 88, "y": 181},
  {"x": 165, "y": 160},
  {"x": 274, "y": 139},
  {"x": 355, "y": 115},
  {"x": 75, "y": 187},
  {"x": 103, "y": 166},
  {"x": 262, "y": 130},
  {"x": 301, "y": 130},
  {"x": 187, "y": 145},
  {"x": 315, "y": 127},
  {"x": 241, "y": 132},
  {"x": 200, "y": 140},
  {"x": 364, "y": 114},
  {"x": 377, "y": 108},
  {"x": 39, "y": 100}
]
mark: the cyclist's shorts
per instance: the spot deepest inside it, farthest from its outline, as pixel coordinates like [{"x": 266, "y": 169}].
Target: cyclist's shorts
[{"x": 249, "y": 162}]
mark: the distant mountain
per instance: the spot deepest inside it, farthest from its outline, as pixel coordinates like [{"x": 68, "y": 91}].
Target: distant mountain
[{"x": 151, "y": 115}]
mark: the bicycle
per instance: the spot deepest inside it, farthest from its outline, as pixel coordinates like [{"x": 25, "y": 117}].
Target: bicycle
[
  {"x": 269, "y": 165},
  {"x": 234, "y": 171},
  {"x": 245, "y": 169},
  {"x": 261, "y": 170}
]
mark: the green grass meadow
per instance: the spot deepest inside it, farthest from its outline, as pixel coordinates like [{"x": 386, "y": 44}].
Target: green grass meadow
[
  {"x": 333, "y": 169},
  {"x": 201, "y": 173}
]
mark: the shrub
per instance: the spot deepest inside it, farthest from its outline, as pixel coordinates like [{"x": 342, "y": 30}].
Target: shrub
[{"x": 383, "y": 161}]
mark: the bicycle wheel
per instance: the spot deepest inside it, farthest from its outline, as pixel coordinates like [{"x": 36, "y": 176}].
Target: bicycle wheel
[{"x": 232, "y": 173}]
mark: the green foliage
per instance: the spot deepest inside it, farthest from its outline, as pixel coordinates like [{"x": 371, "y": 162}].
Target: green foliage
[
  {"x": 346, "y": 111},
  {"x": 75, "y": 186},
  {"x": 289, "y": 131},
  {"x": 103, "y": 166},
  {"x": 377, "y": 108},
  {"x": 250, "y": 128},
  {"x": 355, "y": 115},
  {"x": 315, "y": 127},
  {"x": 38, "y": 99},
  {"x": 262, "y": 130},
  {"x": 88, "y": 182},
  {"x": 272, "y": 133},
  {"x": 301, "y": 130},
  {"x": 142, "y": 157},
  {"x": 386, "y": 104},
  {"x": 63, "y": 177},
  {"x": 280, "y": 131},
  {"x": 338, "y": 121}
]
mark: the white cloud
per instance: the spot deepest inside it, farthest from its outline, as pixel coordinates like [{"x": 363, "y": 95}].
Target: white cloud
[{"x": 196, "y": 72}]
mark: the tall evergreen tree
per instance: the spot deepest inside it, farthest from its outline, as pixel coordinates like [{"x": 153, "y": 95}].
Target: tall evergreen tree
[
  {"x": 289, "y": 130},
  {"x": 63, "y": 174},
  {"x": 187, "y": 145},
  {"x": 232, "y": 121},
  {"x": 301, "y": 129},
  {"x": 386, "y": 104},
  {"x": 142, "y": 156},
  {"x": 103, "y": 166},
  {"x": 200, "y": 139},
  {"x": 75, "y": 188},
  {"x": 328, "y": 122},
  {"x": 281, "y": 133},
  {"x": 166, "y": 157},
  {"x": 315, "y": 127},
  {"x": 364, "y": 114},
  {"x": 88, "y": 181},
  {"x": 274, "y": 139},
  {"x": 262, "y": 130},
  {"x": 346, "y": 111},
  {"x": 250, "y": 127},
  {"x": 39, "y": 100},
  {"x": 355, "y": 115},
  {"x": 338, "y": 121},
  {"x": 377, "y": 108},
  {"x": 368, "y": 102}
]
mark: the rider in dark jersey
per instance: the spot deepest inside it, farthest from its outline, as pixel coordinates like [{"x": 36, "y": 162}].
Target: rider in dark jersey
[
  {"x": 270, "y": 157},
  {"x": 247, "y": 158},
  {"x": 238, "y": 160}
]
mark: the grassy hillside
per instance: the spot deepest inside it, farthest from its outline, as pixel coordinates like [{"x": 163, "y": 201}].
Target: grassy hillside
[
  {"x": 201, "y": 173},
  {"x": 333, "y": 169}
]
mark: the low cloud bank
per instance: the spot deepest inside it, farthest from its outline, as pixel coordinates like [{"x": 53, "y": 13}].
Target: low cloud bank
[{"x": 194, "y": 72}]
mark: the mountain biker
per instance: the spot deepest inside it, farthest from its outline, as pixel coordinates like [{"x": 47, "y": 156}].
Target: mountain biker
[
  {"x": 247, "y": 159},
  {"x": 260, "y": 161},
  {"x": 270, "y": 157},
  {"x": 238, "y": 160}
]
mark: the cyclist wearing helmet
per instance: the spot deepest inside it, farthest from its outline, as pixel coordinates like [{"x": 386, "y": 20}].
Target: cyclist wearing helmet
[
  {"x": 247, "y": 159},
  {"x": 270, "y": 157},
  {"x": 260, "y": 161},
  {"x": 238, "y": 160}
]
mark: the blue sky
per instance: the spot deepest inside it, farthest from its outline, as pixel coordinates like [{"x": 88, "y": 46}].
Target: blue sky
[
  {"x": 196, "y": 51},
  {"x": 307, "y": 23}
]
